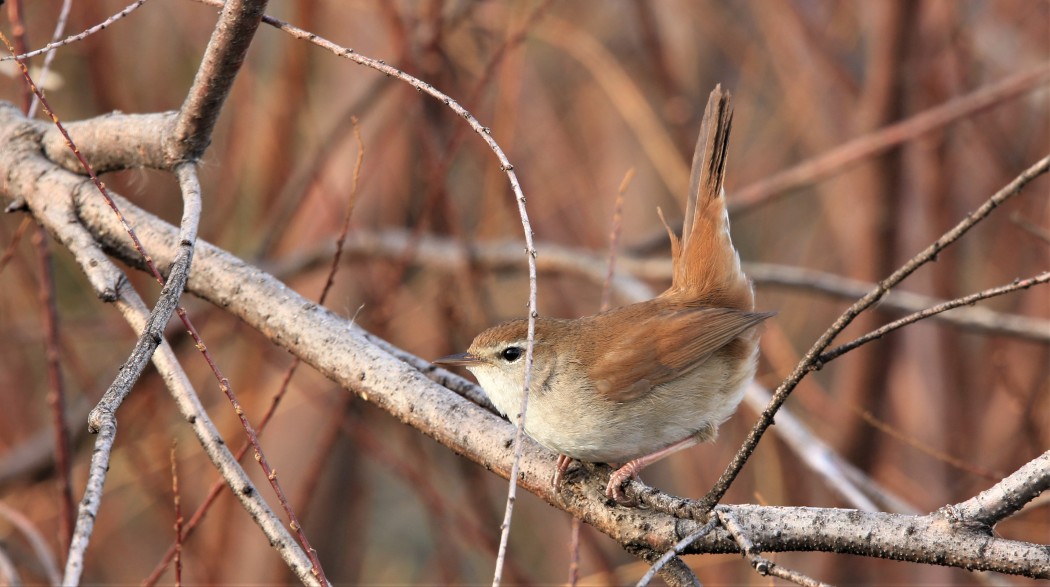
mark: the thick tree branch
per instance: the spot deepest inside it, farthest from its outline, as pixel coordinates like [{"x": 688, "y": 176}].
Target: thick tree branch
[
  {"x": 344, "y": 353},
  {"x": 113, "y": 141},
  {"x": 223, "y": 58}
]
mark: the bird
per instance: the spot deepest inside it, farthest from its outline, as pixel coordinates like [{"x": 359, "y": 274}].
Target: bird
[{"x": 632, "y": 385}]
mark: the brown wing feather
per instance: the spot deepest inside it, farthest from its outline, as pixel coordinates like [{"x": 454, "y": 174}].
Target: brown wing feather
[{"x": 648, "y": 352}]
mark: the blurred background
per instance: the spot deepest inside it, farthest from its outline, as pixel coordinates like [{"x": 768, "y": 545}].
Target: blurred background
[{"x": 577, "y": 93}]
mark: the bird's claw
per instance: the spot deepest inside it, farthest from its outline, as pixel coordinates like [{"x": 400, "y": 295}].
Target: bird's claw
[{"x": 615, "y": 489}]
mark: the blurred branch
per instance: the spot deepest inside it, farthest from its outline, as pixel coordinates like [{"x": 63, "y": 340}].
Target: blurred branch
[
  {"x": 842, "y": 157},
  {"x": 974, "y": 318},
  {"x": 56, "y": 396},
  {"x": 35, "y": 456},
  {"x": 36, "y": 542},
  {"x": 854, "y": 486},
  {"x": 625, "y": 95},
  {"x": 435, "y": 252}
]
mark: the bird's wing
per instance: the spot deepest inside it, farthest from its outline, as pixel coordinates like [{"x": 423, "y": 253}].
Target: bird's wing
[{"x": 648, "y": 352}]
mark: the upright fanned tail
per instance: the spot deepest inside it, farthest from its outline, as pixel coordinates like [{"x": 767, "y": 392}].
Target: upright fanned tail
[{"x": 705, "y": 263}]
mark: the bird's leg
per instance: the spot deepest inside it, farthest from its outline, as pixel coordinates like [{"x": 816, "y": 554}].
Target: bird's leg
[
  {"x": 559, "y": 472},
  {"x": 614, "y": 490}
]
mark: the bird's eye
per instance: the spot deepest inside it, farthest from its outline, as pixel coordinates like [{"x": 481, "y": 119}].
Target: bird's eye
[{"x": 511, "y": 354}]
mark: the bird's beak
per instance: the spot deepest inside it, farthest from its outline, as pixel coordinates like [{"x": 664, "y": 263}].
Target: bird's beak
[{"x": 458, "y": 360}]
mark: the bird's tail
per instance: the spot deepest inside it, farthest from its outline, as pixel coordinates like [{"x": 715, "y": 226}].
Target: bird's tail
[{"x": 706, "y": 265}]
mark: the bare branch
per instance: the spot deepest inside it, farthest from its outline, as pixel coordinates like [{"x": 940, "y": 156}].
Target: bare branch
[
  {"x": 102, "y": 419},
  {"x": 1006, "y": 497},
  {"x": 79, "y": 36},
  {"x": 933, "y": 311},
  {"x": 41, "y": 549},
  {"x": 223, "y": 58},
  {"x": 113, "y": 141},
  {"x": 434, "y": 252},
  {"x": 60, "y": 27}
]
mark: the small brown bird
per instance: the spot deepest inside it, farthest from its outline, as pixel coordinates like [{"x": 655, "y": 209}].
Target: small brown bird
[{"x": 635, "y": 384}]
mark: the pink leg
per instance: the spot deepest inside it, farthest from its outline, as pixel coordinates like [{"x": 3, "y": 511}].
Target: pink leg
[
  {"x": 614, "y": 490},
  {"x": 559, "y": 473}
]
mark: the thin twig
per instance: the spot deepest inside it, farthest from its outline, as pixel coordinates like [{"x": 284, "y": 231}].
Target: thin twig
[
  {"x": 178, "y": 514},
  {"x": 762, "y": 565},
  {"x": 56, "y": 396},
  {"x": 811, "y": 360},
  {"x": 351, "y": 202},
  {"x": 50, "y": 47},
  {"x": 10, "y": 249},
  {"x": 678, "y": 549},
  {"x": 614, "y": 239},
  {"x": 944, "y": 307},
  {"x": 60, "y": 27}
]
